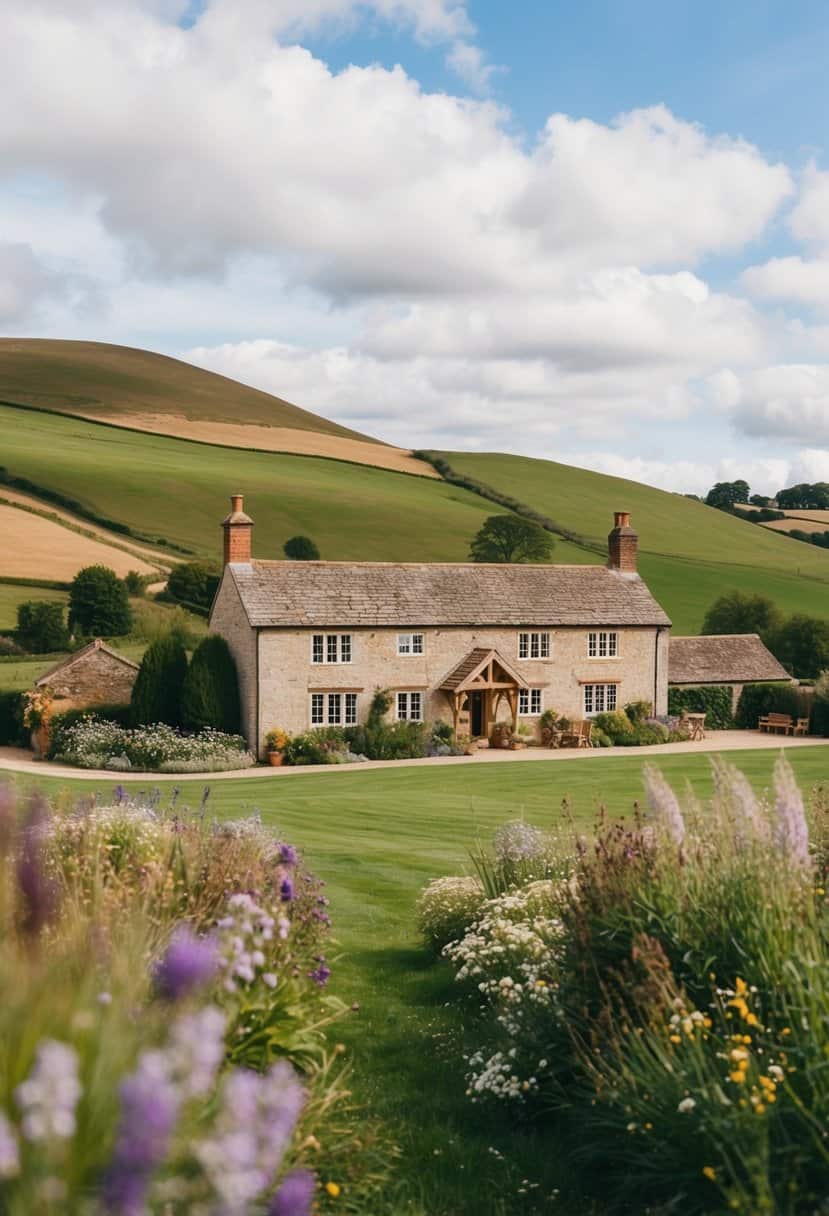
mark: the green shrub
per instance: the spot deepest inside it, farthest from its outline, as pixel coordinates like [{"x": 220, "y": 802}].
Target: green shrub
[
  {"x": 638, "y": 711},
  {"x": 389, "y": 740},
  {"x": 210, "y": 695},
  {"x": 446, "y": 909},
  {"x": 12, "y": 731},
  {"x": 157, "y": 692},
  {"x": 40, "y": 626},
  {"x": 99, "y": 604},
  {"x": 194, "y": 584},
  {"x": 301, "y": 549},
  {"x": 324, "y": 746},
  {"x": 598, "y": 738},
  {"x": 616, "y": 725},
  {"x": 820, "y": 706},
  {"x": 757, "y": 700},
  {"x": 713, "y": 700}
]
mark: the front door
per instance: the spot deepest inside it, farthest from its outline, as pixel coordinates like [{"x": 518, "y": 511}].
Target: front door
[{"x": 477, "y": 714}]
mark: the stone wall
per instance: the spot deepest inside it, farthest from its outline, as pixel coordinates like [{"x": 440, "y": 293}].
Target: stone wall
[
  {"x": 287, "y": 676},
  {"x": 228, "y": 618},
  {"x": 95, "y": 678}
]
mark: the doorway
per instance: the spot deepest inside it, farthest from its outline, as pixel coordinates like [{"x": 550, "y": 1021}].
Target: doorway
[{"x": 477, "y": 714}]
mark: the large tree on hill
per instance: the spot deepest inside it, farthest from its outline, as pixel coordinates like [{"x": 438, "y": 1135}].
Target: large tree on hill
[
  {"x": 99, "y": 604},
  {"x": 157, "y": 692},
  {"x": 738, "y": 612},
  {"x": 805, "y": 497},
  {"x": 301, "y": 549},
  {"x": 210, "y": 696},
  {"x": 509, "y": 538},
  {"x": 725, "y": 494}
]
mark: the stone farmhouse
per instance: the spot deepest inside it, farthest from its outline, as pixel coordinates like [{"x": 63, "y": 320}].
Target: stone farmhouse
[{"x": 470, "y": 644}]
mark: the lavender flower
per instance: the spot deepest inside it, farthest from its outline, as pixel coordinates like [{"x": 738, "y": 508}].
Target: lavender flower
[
  {"x": 37, "y": 889},
  {"x": 294, "y": 1195},
  {"x": 149, "y": 1111},
  {"x": 288, "y": 854},
  {"x": 9, "y": 1150},
  {"x": 189, "y": 962},
  {"x": 254, "y": 1125},
  {"x": 243, "y": 933},
  {"x": 286, "y": 890},
  {"x": 791, "y": 832},
  {"x": 735, "y": 788},
  {"x": 663, "y": 802},
  {"x": 48, "y": 1097},
  {"x": 196, "y": 1050},
  {"x": 321, "y": 973}
]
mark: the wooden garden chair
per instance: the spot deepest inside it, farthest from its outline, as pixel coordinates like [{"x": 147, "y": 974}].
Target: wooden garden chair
[{"x": 801, "y": 727}]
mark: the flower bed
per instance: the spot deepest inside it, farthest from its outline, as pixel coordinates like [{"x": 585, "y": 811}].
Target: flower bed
[
  {"x": 94, "y": 743},
  {"x": 163, "y": 1033},
  {"x": 668, "y": 1000}
]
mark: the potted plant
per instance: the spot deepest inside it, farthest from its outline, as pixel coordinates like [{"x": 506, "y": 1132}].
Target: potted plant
[
  {"x": 549, "y": 724},
  {"x": 37, "y": 710},
  {"x": 276, "y": 741},
  {"x": 501, "y": 735}
]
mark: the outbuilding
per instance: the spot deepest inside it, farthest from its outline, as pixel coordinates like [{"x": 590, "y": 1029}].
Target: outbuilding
[{"x": 728, "y": 659}]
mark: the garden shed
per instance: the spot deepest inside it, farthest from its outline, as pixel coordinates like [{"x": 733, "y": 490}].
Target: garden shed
[
  {"x": 94, "y": 675},
  {"x": 732, "y": 660}
]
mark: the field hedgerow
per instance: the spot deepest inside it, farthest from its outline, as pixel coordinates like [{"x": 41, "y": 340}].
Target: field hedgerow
[
  {"x": 164, "y": 1028},
  {"x": 678, "y": 1031}
]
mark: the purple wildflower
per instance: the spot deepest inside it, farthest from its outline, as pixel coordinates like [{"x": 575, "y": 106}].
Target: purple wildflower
[
  {"x": 663, "y": 802},
  {"x": 791, "y": 832},
  {"x": 149, "y": 1110},
  {"x": 286, "y": 891},
  {"x": 294, "y": 1195},
  {"x": 196, "y": 1050},
  {"x": 189, "y": 962},
  {"x": 38, "y": 890},
  {"x": 735, "y": 788},
  {"x": 288, "y": 855},
  {"x": 9, "y": 1150},
  {"x": 120, "y": 794},
  {"x": 321, "y": 973}
]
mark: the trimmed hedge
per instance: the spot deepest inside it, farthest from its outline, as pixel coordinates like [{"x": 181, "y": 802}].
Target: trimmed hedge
[
  {"x": 756, "y": 700},
  {"x": 713, "y": 700},
  {"x": 12, "y": 731}
]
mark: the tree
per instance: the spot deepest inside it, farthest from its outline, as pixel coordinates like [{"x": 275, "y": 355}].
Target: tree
[
  {"x": 194, "y": 584},
  {"x": 99, "y": 604},
  {"x": 40, "y": 626},
  {"x": 210, "y": 696},
  {"x": 726, "y": 493},
  {"x": 157, "y": 692},
  {"x": 760, "y": 500},
  {"x": 802, "y": 646},
  {"x": 301, "y": 549},
  {"x": 509, "y": 538},
  {"x": 737, "y": 612},
  {"x": 805, "y": 497}
]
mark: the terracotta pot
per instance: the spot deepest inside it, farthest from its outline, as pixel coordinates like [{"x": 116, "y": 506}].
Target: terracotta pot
[{"x": 275, "y": 759}]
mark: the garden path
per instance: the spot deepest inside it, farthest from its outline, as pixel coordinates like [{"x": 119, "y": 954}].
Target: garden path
[{"x": 18, "y": 759}]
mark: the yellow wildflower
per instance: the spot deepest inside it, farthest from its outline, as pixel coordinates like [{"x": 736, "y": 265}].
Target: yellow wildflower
[
  {"x": 710, "y": 1173},
  {"x": 675, "y": 1038},
  {"x": 759, "y": 1109},
  {"x": 333, "y": 1189},
  {"x": 737, "y": 1076},
  {"x": 741, "y": 986}
]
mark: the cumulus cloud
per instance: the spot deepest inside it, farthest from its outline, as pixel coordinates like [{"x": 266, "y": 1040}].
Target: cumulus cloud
[
  {"x": 789, "y": 401},
  {"x": 24, "y": 283}
]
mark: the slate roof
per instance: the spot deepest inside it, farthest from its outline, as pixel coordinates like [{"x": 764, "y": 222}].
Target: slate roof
[
  {"x": 79, "y": 656},
  {"x": 726, "y": 658},
  {"x": 469, "y": 667},
  {"x": 334, "y": 594}
]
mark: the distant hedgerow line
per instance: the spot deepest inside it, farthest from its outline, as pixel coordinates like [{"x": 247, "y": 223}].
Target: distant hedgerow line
[{"x": 444, "y": 468}]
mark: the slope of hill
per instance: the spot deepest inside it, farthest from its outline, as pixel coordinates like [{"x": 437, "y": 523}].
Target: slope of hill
[
  {"x": 151, "y": 392},
  {"x": 178, "y": 490},
  {"x": 690, "y": 553}
]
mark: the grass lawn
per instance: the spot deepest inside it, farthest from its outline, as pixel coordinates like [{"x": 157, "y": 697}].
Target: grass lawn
[
  {"x": 690, "y": 553},
  {"x": 377, "y": 837}
]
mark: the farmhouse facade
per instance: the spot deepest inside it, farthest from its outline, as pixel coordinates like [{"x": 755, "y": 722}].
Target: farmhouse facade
[{"x": 469, "y": 644}]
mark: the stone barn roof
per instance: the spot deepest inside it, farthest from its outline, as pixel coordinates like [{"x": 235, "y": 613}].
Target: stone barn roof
[
  {"x": 727, "y": 658},
  {"x": 338, "y": 594},
  {"x": 80, "y": 656}
]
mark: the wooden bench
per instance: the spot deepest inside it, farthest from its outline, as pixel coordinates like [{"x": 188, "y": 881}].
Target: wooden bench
[{"x": 777, "y": 723}]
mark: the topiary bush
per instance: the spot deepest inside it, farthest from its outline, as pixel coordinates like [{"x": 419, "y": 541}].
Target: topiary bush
[
  {"x": 157, "y": 692},
  {"x": 40, "y": 626},
  {"x": 99, "y": 603},
  {"x": 210, "y": 695},
  {"x": 713, "y": 700},
  {"x": 757, "y": 700}
]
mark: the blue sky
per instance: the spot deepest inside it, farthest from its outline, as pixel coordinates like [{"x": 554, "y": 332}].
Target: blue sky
[{"x": 597, "y": 232}]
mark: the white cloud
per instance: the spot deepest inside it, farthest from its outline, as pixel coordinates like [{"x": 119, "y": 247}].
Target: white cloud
[
  {"x": 786, "y": 401},
  {"x": 25, "y": 283},
  {"x": 469, "y": 62},
  {"x": 809, "y": 220},
  {"x": 790, "y": 278}
]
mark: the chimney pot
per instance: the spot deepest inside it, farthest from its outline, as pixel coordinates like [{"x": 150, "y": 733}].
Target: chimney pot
[
  {"x": 623, "y": 544},
  {"x": 237, "y": 532}
]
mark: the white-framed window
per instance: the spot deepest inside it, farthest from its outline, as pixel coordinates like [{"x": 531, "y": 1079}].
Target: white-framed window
[
  {"x": 529, "y": 702},
  {"x": 331, "y": 648},
  {"x": 602, "y": 644},
  {"x": 410, "y": 707},
  {"x": 411, "y": 643},
  {"x": 599, "y": 698},
  {"x": 533, "y": 645},
  {"x": 333, "y": 708}
]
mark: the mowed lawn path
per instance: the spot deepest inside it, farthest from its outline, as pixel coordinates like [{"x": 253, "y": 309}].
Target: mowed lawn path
[{"x": 377, "y": 837}]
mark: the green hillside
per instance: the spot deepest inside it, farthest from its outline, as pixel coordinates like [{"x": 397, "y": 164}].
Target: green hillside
[
  {"x": 690, "y": 553},
  {"x": 95, "y": 377},
  {"x": 179, "y": 490}
]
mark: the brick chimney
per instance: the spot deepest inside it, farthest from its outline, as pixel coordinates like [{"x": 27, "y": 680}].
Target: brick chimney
[
  {"x": 622, "y": 544},
  {"x": 237, "y": 529}
]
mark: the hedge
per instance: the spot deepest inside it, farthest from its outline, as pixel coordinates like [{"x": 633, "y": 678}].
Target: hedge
[
  {"x": 714, "y": 700},
  {"x": 12, "y": 731},
  {"x": 756, "y": 700}
]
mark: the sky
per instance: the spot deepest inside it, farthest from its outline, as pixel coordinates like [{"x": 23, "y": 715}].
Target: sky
[{"x": 594, "y": 232}]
